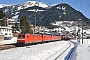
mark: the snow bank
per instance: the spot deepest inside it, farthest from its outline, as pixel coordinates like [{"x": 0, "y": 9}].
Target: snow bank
[{"x": 83, "y": 50}]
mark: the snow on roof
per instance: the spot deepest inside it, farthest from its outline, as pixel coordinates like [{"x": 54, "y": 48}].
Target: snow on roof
[{"x": 4, "y": 27}]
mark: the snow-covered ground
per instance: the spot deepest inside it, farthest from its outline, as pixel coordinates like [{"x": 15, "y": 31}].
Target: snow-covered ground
[
  {"x": 35, "y": 52},
  {"x": 83, "y": 50},
  {"x": 48, "y": 51}
]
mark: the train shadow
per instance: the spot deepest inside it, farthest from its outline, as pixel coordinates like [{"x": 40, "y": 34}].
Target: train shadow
[{"x": 71, "y": 53}]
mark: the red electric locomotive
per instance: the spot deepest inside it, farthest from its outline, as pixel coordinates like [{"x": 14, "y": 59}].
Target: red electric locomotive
[{"x": 24, "y": 39}]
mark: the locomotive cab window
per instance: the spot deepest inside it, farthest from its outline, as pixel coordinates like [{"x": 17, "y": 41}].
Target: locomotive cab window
[{"x": 21, "y": 36}]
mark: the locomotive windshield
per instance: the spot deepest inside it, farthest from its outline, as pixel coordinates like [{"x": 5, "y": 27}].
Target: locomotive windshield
[{"x": 21, "y": 36}]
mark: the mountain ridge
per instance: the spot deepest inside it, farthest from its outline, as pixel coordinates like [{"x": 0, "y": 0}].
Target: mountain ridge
[{"x": 45, "y": 16}]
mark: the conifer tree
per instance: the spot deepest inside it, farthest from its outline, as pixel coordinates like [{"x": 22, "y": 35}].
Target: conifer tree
[
  {"x": 16, "y": 26},
  {"x": 2, "y": 14},
  {"x": 4, "y": 18},
  {"x": 25, "y": 25}
]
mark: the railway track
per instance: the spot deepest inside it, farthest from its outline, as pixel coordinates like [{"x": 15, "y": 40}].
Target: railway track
[
  {"x": 63, "y": 52},
  {"x": 7, "y": 46},
  {"x": 58, "y": 55}
]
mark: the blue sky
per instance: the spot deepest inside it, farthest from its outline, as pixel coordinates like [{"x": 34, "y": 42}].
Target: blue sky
[{"x": 80, "y": 5}]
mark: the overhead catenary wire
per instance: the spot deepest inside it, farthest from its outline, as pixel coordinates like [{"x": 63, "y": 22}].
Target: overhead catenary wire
[
  {"x": 62, "y": 1},
  {"x": 49, "y": 2},
  {"x": 80, "y": 5},
  {"x": 54, "y": 9},
  {"x": 87, "y": 9}
]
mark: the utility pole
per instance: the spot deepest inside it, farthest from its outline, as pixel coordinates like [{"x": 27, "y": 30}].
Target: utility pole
[
  {"x": 82, "y": 32},
  {"x": 78, "y": 32},
  {"x": 82, "y": 29},
  {"x": 35, "y": 20},
  {"x": 59, "y": 24}
]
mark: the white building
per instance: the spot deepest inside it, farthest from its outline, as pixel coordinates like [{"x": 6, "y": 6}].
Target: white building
[
  {"x": 11, "y": 22},
  {"x": 6, "y": 31}
]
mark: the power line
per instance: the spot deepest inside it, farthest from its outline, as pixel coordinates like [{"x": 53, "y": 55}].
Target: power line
[
  {"x": 80, "y": 5},
  {"x": 49, "y": 2},
  {"x": 87, "y": 8},
  {"x": 62, "y": 1},
  {"x": 54, "y": 9}
]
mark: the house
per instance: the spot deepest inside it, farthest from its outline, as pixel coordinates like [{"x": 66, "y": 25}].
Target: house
[
  {"x": 11, "y": 22},
  {"x": 6, "y": 31}
]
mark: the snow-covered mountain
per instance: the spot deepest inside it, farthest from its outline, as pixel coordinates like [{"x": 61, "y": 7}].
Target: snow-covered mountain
[
  {"x": 43, "y": 13},
  {"x": 34, "y": 3},
  {"x": 25, "y": 5},
  {"x": 4, "y": 5},
  {"x": 31, "y": 4},
  {"x": 13, "y": 10}
]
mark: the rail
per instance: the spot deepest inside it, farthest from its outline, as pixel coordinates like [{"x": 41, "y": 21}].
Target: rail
[
  {"x": 58, "y": 54},
  {"x": 63, "y": 51}
]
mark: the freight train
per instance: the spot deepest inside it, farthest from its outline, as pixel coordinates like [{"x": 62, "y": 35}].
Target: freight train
[{"x": 26, "y": 39}]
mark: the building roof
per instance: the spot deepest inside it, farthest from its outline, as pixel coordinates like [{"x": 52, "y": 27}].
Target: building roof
[{"x": 4, "y": 27}]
